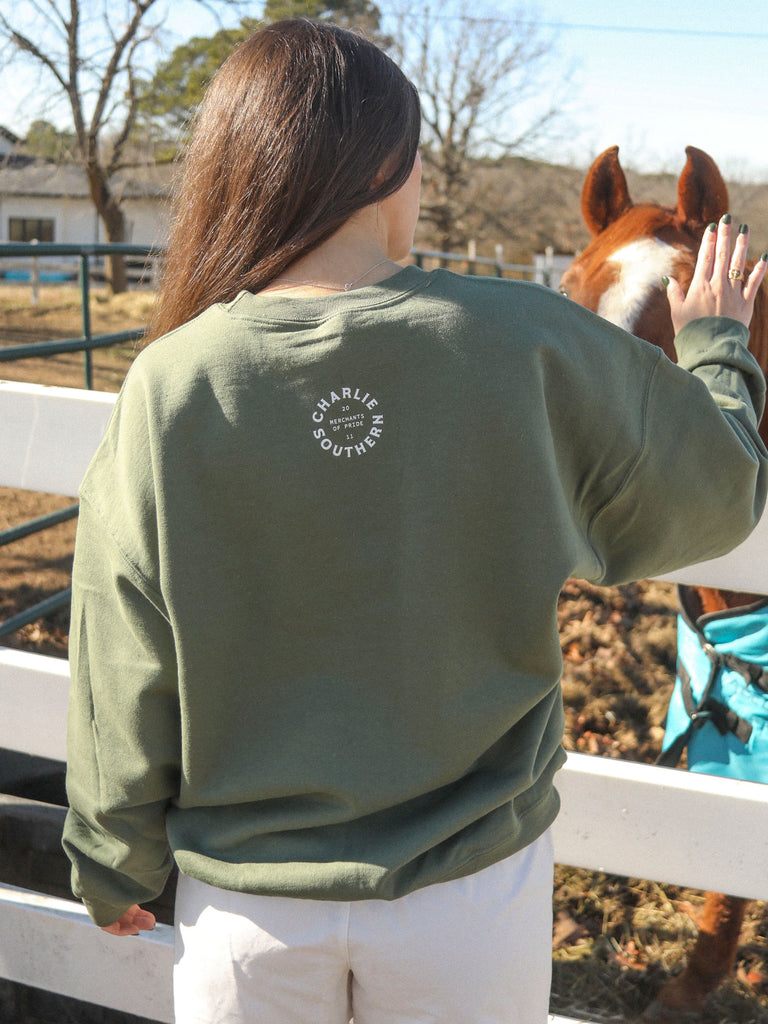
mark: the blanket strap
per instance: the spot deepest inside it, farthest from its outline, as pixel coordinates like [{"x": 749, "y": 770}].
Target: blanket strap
[{"x": 707, "y": 709}]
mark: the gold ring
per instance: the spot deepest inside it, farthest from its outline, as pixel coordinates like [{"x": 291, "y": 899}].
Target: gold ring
[{"x": 736, "y": 275}]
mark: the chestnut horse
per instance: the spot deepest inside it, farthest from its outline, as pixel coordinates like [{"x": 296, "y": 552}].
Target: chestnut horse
[{"x": 619, "y": 276}]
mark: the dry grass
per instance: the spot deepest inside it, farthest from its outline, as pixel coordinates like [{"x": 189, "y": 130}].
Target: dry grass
[
  {"x": 617, "y": 940},
  {"x": 57, "y": 316}
]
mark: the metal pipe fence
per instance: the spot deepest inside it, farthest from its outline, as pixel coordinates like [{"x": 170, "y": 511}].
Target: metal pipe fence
[
  {"x": 56, "y": 601},
  {"x": 84, "y": 261},
  {"x": 88, "y": 258},
  {"x": 472, "y": 261},
  {"x": 35, "y": 525}
]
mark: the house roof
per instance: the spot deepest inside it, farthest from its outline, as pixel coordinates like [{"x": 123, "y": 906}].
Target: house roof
[
  {"x": 7, "y": 134},
  {"x": 41, "y": 178}
]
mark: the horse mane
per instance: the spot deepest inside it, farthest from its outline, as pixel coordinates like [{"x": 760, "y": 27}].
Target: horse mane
[
  {"x": 758, "y": 342},
  {"x": 758, "y": 329}
]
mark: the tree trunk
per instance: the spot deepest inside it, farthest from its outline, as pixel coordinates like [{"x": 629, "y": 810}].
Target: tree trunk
[
  {"x": 113, "y": 218},
  {"x": 114, "y": 223}
]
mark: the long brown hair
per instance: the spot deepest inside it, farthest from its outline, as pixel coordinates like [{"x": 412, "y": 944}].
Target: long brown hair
[{"x": 285, "y": 147}]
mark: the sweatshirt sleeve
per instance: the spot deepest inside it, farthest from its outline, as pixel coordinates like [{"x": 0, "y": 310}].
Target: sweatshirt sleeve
[
  {"x": 697, "y": 486},
  {"x": 123, "y": 742}
]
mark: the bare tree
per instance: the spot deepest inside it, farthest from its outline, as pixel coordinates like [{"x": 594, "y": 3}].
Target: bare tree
[
  {"x": 89, "y": 53},
  {"x": 484, "y": 86}
]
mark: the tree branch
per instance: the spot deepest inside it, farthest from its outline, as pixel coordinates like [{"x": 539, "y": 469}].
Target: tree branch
[
  {"x": 122, "y": 137},
  {"x": 113, "y": 66},
  {"x": 23, "y": 43}
]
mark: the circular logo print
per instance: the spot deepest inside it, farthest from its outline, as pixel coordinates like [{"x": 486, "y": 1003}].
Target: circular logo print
[{"x": 347, "y": 423}]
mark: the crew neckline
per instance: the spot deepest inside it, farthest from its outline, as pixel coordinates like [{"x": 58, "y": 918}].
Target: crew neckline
[{"x": 285, "y": 306}]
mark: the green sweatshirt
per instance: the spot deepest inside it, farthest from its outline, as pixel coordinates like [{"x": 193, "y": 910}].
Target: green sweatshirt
[{"x": 314, "y": 638}]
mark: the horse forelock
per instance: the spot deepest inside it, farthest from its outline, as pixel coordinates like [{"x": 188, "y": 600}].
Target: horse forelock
[
  {"x": 641, "y": 266},
  {"x": 621, "y": 269}
]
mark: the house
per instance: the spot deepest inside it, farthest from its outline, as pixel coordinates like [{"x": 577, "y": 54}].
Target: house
[
  {"x": 8, "y": 142},
  {"x": 51, "y": 202}
]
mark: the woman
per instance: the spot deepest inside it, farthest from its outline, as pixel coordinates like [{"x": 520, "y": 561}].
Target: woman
[{"x": 314, "y": 638}]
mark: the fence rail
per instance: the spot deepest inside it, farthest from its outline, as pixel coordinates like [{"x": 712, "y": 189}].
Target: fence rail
[
  {"x": 29, "y": 254},
  {"x": 545, "y": 269},
  {"x": 83, "y": 259},
  {"x": 628, "y": 819}
]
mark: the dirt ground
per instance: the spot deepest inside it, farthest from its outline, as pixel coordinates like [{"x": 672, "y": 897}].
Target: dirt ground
[{"x": 616, "y": 940}]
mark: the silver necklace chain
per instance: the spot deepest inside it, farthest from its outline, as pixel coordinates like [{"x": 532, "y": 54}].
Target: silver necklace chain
[{"x": 333, "y": 287}]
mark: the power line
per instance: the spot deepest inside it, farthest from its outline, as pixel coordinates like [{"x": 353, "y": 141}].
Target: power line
[
  {"x": 577, "y": 26},
  {"x": 638, "y": 29}
]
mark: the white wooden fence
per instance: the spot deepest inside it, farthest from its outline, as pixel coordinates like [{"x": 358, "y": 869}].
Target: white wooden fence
[{"x": 628, "y": 819}]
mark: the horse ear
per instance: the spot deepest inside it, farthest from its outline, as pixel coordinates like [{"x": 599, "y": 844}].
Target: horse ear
[
  {"x": 702, "y": 195},
  {"x": 605, "y": 195}
]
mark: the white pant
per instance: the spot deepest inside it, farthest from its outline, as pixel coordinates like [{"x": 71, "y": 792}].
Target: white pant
[{"x": 477, "y": 950}]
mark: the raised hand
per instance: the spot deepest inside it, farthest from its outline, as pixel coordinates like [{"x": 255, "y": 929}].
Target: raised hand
[{"x": 720, "y": 285}]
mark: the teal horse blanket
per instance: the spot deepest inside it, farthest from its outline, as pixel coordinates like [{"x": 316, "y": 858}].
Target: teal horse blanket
[{"x": 719, "y": 706}]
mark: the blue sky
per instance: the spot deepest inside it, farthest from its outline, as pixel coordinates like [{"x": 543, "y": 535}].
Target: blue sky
[
  {"x": 651, "y": 77},
  {"x": 654, "y": 77}
]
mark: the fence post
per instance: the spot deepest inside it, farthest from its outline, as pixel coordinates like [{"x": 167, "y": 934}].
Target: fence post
[
  {"x": 34, "y": 276},
  {"x": 471, "y": 254},
  {"x": 498, "y": 268},
  {"x": 85, "y": 301},
  {"x": 549, "y": 265}
]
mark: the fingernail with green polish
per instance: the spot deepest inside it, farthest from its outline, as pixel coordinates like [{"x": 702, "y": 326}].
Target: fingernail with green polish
[
  {"x": 743, "y": 229},
  {"x": 764, "y": 257},
  {"x": 712, "y": 228},
  {"x": 665, "y": 282},
  {"x": 727, "y": 218}
]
